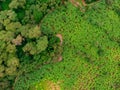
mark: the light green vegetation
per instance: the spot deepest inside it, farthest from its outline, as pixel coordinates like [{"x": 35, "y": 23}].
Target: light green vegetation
[{"x": 91, "y": 50}]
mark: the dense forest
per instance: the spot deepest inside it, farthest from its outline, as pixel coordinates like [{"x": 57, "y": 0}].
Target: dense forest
[{"x": 59, "y": 44}]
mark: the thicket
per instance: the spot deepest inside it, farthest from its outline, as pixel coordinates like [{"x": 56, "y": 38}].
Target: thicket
[{"x": 24, "y": 46}]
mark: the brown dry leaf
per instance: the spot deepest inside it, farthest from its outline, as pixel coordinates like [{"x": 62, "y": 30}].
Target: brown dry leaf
[{"x": 18, "y": 40}]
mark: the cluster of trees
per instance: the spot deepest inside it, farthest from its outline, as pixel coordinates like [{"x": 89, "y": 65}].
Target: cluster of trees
[
  {"x": 21, "y": 38},
  {"x": 91, "y": 48},
  {"x": 8, "y": 58}
]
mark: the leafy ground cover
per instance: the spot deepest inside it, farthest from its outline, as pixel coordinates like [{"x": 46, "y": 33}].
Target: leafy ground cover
[{"x": 91, "y": 50}]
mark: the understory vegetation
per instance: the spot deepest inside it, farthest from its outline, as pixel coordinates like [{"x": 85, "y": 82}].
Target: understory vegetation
[{"x": 29, "y": 47}]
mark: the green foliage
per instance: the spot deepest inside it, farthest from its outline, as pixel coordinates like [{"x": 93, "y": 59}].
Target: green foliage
[
  {"x": 20, "y": 13},
  {"x": 4, "y": 4},
  {"x": 14, "y": 4},
  {"x": 42, "y": 44},
  {"x": 36, "y": 47},
  {"x": 91, "y": 54},
  {"x": 53, "y": 40},
  {"x": 23, "y": 45},
  {"x": 36, "y": 10},
  {"x": 90, "y": 1}
]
